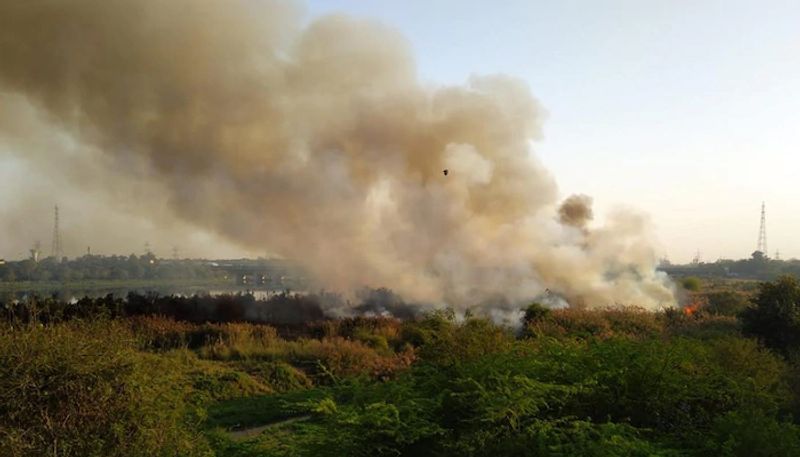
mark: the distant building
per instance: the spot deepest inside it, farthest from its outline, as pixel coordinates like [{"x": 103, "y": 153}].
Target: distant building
[{"x": 2, "y": 261}]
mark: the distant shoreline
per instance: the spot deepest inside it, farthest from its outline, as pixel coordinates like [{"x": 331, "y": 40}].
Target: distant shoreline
[{"x": 100, "y": 284}]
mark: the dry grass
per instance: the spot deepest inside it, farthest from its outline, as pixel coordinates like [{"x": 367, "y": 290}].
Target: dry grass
[
  {"x": 592, "y": 323},
  {"x": 349, "y": 347}
]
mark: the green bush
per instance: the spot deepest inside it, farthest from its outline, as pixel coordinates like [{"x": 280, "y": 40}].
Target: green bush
[
  {"x": 223, "y": 384},
  {"x": 726, "y": 303},
  {"x": 691, "y": 283},
  {"x": 567, "y": 437},
  {"x": 427, "y": 331},
  {"x": 443, "y": 341},
  {"x": 615, "y": 396},
  {"x": 378, "y": 342},
  {"x": 280, "y": 376},
  {"x": 82, "y": 390},
  {"x": 753, "y": 434},
  {"x": 535, "y": 312},
  {"x": 703, "y": 326}
]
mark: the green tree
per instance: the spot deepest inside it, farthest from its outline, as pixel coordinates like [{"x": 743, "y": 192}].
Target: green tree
[{"x": 774, "y": 317}]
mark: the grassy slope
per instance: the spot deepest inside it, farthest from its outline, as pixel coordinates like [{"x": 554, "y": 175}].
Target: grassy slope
[{"x": 248, "y": 412}]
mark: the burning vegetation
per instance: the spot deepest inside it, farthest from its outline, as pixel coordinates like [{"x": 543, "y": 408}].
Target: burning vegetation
[
  {"x": 692, "y": 307},
  {"x": 570, "y": 382}
]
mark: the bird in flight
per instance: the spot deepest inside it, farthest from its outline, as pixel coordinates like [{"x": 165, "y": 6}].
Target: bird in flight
[{"x": 445, "y": 171}]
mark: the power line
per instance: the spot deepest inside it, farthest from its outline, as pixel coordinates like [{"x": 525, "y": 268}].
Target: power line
[
  {"x": 56, "y": 249},
  {"x": 762, "y": 231}
]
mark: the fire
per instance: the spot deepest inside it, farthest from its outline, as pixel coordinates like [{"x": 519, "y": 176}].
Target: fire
[{"x": 691, "y": 309}]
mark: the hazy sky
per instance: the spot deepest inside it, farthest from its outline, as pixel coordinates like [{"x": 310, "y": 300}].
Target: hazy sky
[{"x": 687, "y": 110}]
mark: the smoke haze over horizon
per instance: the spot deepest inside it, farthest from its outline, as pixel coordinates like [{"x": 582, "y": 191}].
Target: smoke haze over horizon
[{"x": 261, "y": 132}]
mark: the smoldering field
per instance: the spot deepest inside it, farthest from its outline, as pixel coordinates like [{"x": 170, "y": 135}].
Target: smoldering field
[{"x": 312, "y": 140}]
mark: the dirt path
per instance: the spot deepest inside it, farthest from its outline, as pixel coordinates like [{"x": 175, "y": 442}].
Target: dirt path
[{"x": 255, "y": 431}]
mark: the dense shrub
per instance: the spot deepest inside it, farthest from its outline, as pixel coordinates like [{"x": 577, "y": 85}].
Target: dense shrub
[
  {"x": 610, "y": 382},
  {"x": 161, "y": 333},
  {"x": 614, "y": 396},
  {"x": 596, "y": 323},
  {"x": 82, "y": 390},
  {"x": 753, "y": 434},
  {"x": 327, "y": 359},
  {"x": 774, "y": 317},
  {"x": 726, "y": 303},
  {"x": 703, "y": 326},
  {"x": 337, "y": 357},
  {"x": 534, "y": 313},
  {"x": 210, "y": 382},
  {"x": 444, "y": 341},
  {"x": 379, "y": 333}
]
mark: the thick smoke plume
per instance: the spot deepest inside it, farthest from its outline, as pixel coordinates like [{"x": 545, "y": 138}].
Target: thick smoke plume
[
  {"x": 317, "y": 142},
  {"x": 576, "y": 211}
]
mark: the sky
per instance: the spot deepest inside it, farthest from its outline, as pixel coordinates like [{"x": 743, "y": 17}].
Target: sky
[{"x": 685, "y": 110}]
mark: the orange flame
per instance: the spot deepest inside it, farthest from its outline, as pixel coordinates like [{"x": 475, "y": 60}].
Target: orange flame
[{"x": 691, "y": 309}]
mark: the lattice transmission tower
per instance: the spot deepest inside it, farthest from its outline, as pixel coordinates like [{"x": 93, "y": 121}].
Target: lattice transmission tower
[
  {"x": 56, "y": 250},
  {"x": 762, "y": 231}
]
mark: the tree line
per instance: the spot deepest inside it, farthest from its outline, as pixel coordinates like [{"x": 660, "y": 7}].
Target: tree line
[
  {"x": 97, "y": 267},
  {"x": 758, "y": 266}
]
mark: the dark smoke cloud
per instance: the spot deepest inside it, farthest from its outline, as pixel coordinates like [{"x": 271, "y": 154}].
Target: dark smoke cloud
[
  {"x": 316, "y": 142},
  {"x": 576, "y": 211}
]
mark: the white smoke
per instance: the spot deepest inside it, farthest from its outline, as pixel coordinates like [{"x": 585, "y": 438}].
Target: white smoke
[{"x": 318, "y": 142}]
